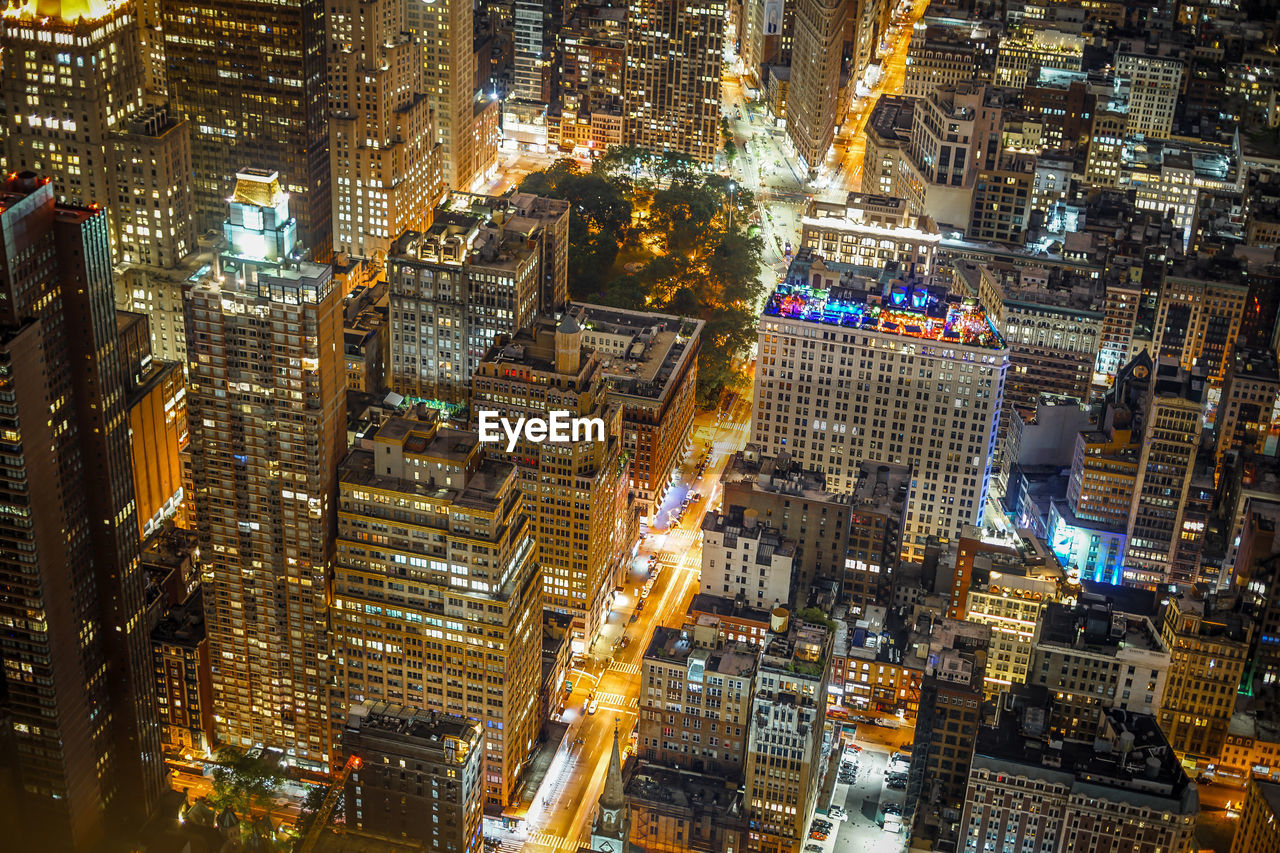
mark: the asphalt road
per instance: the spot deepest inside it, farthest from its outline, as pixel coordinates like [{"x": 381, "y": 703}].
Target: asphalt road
[{"x": 562, "y": 810}]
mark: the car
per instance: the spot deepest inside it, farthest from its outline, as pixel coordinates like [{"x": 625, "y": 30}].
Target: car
[
  {"x": 592, "y": 705},
  {"x": 813, "y": 848},
  {"x": 1204, "y": 779},
  {"x": 898, "y": 784},
  {"x": 625, "y": 641},
  {"x": 818, "y": 836},
  {"x": 835, "y": 811},
  {"x": 823, "y": 825},
  {"x": 893, "y": 808},
  {"x": 635, "y": 617},
  {"x": 840, "y": 817}
]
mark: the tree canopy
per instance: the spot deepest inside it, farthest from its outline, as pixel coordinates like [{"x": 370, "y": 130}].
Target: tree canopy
[
  {"x": 654, "y": 231},
  {"x": 244, "y": 783}
]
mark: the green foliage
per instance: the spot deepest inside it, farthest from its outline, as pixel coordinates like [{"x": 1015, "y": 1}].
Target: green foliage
[
  {"x": 816, "y": 616},
  {"x": 243, "y": 784},
  {"x": 651, "y": 230}
]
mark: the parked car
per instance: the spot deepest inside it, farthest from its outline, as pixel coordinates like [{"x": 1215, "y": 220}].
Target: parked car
[
  {"x": 591, "y": 707},
  {"x": 813, "y": 848}
]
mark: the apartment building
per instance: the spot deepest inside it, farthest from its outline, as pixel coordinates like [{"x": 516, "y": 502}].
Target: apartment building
[
  {"x": 1152, "y": 79},
  {"x": 955, "y": 132},
  {"x": 1208, "y": 637},
  {"x": 784, "y": 750},
  {"x": 743, "y": 558},
  {"x": 888, "y": 133},
  {"x": 1117, "y": 786},
  {"x": 1163, "y": 533},
  {"x": 577, "y": 493},
  {"x": 695, "y": 701},
  {"x": 795, "y": 501},
  {"x": 949, "y": 716},
  {"x": 419, "y": 776},
  {"x": 1094, "y": 657},
  {"x": 484, "y": 268},
  {"x": 1259, "y": 829},
  {"x": 939, "y": 55},
  {"x": 384, "y": 157},
  {"x": 266, "y": 396},
  {"x": 1009, "y": 595},
  {"x": 151, "y": 163},
  {"x": 671, "y": 83},
  {"x": 1246, "y": 419},
  {"x": 1029, "y": 47},
  {"x": 437, "y": 593},
  {"x": 651, "y": 368},
  {"x": 877, "y": 519}
]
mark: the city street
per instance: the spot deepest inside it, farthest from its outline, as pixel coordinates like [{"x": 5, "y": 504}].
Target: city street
[{"x": 561, "y": 811}]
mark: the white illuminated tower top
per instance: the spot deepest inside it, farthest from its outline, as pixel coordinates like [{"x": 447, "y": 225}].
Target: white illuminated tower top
[{"x": 259, "y": 227}]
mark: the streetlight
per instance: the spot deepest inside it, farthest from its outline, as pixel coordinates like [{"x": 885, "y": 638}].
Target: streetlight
[{"x": 733, "y": 191}]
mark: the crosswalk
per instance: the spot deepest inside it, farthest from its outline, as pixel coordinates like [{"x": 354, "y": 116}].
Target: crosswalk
[
  {"x": 547, "y": 841},
  {"x": 627, "y": 668},
  {"x": 618, "y": 700}
]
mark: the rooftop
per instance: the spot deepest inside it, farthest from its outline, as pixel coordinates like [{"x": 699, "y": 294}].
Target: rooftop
[
  {"x": 738, "y": 523},
  {"x": 1130, "y": 760},
  {"x": 412, "y": 724},
  {"x": 779, "y": 474},
  {"x": 1094, "y": 625},
  {"x": 905, "y": 308},
  {"x": 641, "y": 351},
  {"x": 675, "y": 645},
  {"x": 684, "y": 790},
  {"x": 881, "y": 485}
]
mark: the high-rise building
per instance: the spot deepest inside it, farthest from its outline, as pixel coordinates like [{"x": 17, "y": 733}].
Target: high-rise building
[
  {"x": 1159, "y": 528},
  {"x": 184, "y": 684},
  {"x": 878, "y": 511},
  {"x": 458, "y": 589},
  {"x": 83, "y": 57},
  {"x": 1088, "y": 531},
  {"x": 870, "y": 230},
  {"x": 1117, "y": 786},
  {"x": 1198, "y": 314},
  {"x": 652, "y": 368},
  {"x": 816, "y": 59},
  {"x": 592, "y": 110},
  {"x": 155, "y": 397},
  {"x": 77, "y": 685},
  {"x": 1208, "y": 639},
  {"x": 577, "y": 492},
  {"x": 1248, "y": 416},
  {"x": 536, "y": 26},
  {"x": 251, "y": 80},
  {"x": 445, "y": 30},
  {"x": 1008, "y": 594},
  {"x": 955, "y": 132},
  {"x": 420, "y": 776},
  {"x": 951, "y": 695},
  {"x": 1153, "y": 79},
  {"x": 795, "y": 501},
  {"x": 382, "y": 146},
  {"x": 1106, "y": 138},
  {"x": 788, "y": 716},
  {"x": 266, "y": 399},
  {"x": 714, "y": 681},
  {"x": 1092, "y": 657},
  {"x": 1028, "y": 48},
  {"x": 484, "y": 268},
  {"x": 672, "y": 83},
  {"x": 1259, "y": 828},
  {"x": 742, "y": 557},
  {"x": 152, "y": 203},
  {"x": 888, "y": 136},
  {"x": 829, "y": 338}
]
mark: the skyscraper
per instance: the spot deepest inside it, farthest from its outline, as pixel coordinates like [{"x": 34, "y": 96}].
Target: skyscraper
[
  {"x": 1158, "y": 531},
  {"x": 84, "y": 58},
  {"x": 445, "y": 31},
  {"x": 855, "y": 369},
  {"x": 250, "y": 77},
  {"x": 577, "y": 492},
  {"x": 455, "y": 590},
  {"x": 266, "y": 394},
  {"x": 672, "y": 85},
  {"x": 77, "y": 679},
  {"x": 386, "y": 162},
  {"x": 815, "y": 78}
]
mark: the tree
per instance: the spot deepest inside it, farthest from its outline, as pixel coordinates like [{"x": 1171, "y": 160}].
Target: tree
[
  {"x": 687, "y": 259},
  {"x": 244, "y": 783}
]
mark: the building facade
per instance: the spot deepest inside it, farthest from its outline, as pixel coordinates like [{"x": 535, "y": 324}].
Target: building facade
[
  {"x": 266, "y": 397},
  {"x": 446, "y": 611},
  {"x": 419, "y": 776},
  {"x": 829, "y": 339}
]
